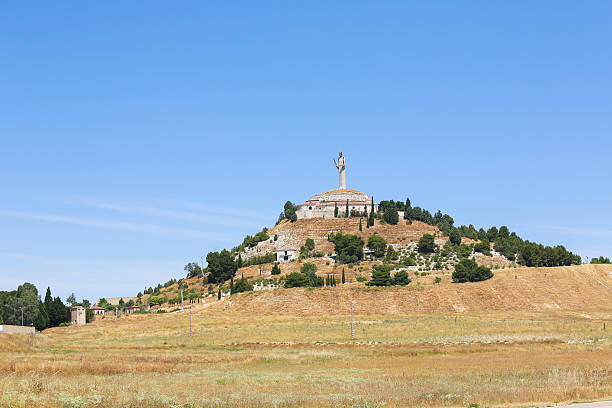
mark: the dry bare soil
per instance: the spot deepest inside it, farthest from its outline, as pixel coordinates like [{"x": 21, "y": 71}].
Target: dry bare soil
[{"x": 526, "y": 337}]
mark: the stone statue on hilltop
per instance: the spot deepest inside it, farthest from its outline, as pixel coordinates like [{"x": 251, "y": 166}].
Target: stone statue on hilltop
[{"x": 340, "y": 165}]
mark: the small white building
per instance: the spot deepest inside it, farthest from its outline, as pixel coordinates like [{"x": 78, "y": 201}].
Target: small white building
[
  {"x": 97, "y": 310},
  {"x": 132, "y": 309},
  {"x": 286, "y": 254}
]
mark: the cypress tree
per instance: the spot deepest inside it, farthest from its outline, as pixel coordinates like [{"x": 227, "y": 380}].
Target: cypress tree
[
  {"x": 343, "y": 278},
  {"x": 360, "y": 227},
  {"x": 219, "y": 293},
  {"x": 335, "y": 210},
  {"x": 346, "y": 212},
  {"x": 371, "y": 217}
]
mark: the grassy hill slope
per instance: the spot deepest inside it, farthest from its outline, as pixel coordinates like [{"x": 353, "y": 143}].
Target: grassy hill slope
[{"x": 579, "y": 288}]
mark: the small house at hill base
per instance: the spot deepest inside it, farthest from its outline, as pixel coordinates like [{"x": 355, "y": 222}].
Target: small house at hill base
[{"x": 77, "y": 315}]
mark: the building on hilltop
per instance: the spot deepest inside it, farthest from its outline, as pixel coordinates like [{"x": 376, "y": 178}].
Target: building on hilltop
[{"x": 324, "y": 205}]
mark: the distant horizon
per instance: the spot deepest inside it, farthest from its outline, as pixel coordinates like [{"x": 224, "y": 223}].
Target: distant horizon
[{"x": 137, "y": 139}]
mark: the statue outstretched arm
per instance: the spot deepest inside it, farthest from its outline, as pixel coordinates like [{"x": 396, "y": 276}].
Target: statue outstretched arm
[{"x": 336, "y": 163}]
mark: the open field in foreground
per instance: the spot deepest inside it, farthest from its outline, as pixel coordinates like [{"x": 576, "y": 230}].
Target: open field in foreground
[{"x": 235, "y": 358}]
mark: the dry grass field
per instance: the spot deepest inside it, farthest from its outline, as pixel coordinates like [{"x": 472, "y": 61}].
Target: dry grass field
[{"x": 524, "y": 338}]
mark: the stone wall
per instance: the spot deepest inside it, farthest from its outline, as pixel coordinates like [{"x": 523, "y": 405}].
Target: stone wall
[{"x": 8, "y": 328}]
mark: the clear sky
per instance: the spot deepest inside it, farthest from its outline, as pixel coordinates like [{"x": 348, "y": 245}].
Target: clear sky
[{"x": 138, "y": 136}]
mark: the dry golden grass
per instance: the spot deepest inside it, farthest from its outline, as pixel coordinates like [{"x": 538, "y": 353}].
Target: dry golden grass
[{"x": 250, "y": 351}]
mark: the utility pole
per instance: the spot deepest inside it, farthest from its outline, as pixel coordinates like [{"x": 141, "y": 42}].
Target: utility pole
[
  {"x": 352, "y": 328},
  {"x": 182, "y": 306},
  {"x": 202, "y": 258}
]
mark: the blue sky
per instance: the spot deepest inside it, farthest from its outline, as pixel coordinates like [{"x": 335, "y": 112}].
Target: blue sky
[{"x": 136, "y": 137}]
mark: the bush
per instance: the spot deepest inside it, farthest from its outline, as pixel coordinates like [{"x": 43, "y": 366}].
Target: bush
[
  {"x": 468, "y": 271},
  {"x": 401, "y": 278},
  {"x": 437, "y": 280},
  {"x": 361, "y": 279},
  {"x": 377, "y": 244},
  {"x": 427, "y": 244}
]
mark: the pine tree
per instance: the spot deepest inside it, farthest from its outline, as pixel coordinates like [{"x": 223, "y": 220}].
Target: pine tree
[
  {"x": 239, "y": 263},
  {"x": 360, "y": 227},
  {"x": 343, "y": 278},
  {"x": 346, "y": 211}
]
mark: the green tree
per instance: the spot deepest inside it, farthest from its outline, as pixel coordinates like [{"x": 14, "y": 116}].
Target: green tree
[
  {"x": 219, "y": 293},
  {"x": 310, "y": 244},
  {"x": 296, "y": 280},
  {"x": 371, "y": 216},
  {"x": 343, "y": 277},
  {"x": 41, "y": 321},
  {"x": 346, "y": 211},
  {"x": 454, "y": 237},
  {"x": 221, "y": 266},
  {"x": 71, "y": 300},
  {"x": 335, "y": 210},
  {"x": 349, "y": 248},
  {"x": 290, "y": 211},
  {"x": 360, "y": 226},
  {"x": 600, "y": 260},
  {"x": 193, "y": 269},
  {"x": 427, "y": 244},
  {"x": 275, "y": 269},
  {"x": 468, "y": 271},
  {"x": 391, "y": 215},
  {"x": 483, "y": 247},
  {"x": 377, "y": 244},
  {"x": 401, "y": 278},
  {"x": 243, "y": 285},
  {"x": 381, "y": 276}
]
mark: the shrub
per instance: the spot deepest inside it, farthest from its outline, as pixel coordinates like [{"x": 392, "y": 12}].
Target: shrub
[
  {"x": 276, "y": 269},
  {"x": 437, "y": 280},
  {"x": 427, "y": 244},
  {"x": 401, "y": 278},
  {"x": 468, "y": 271},
  {"x": 361, "y": 279}
]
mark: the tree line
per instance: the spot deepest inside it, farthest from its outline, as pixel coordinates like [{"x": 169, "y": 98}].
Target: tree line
[{"x": 41, "y": 314}]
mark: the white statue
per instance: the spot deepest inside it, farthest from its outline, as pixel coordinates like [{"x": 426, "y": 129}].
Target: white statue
[{"x": 340, "y": 165}]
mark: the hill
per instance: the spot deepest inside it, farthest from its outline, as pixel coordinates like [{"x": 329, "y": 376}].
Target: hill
[{"x": 573, "y": 288}]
